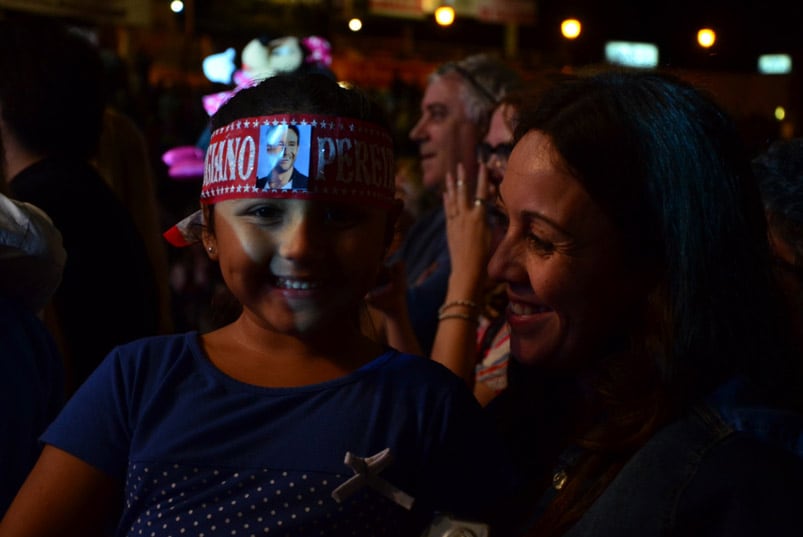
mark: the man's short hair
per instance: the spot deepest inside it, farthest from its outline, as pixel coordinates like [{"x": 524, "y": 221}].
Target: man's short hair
[{"x": 485, "y": 80}]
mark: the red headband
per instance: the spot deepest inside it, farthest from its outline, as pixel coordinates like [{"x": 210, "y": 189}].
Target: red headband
[{"x": 334, "y": 158}]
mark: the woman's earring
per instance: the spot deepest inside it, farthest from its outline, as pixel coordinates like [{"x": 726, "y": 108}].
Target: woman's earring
[{"x": 210, "y": 249}]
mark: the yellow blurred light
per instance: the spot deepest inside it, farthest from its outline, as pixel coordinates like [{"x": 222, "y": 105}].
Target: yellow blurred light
[
  {"x": 706, "y": 37},
  {"x": 780, "y": 113},
  {"x": 570, "y": 28},
  {"x": 444, "y": 15},
  {"x": 355, "y": 24},
  {"x": 176, "y": 6}
]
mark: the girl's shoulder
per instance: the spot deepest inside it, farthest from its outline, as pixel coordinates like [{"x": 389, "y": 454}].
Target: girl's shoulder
[
  {"x": 414, "y": 366},
  {"x": 153, "y": 353},
  {"x": 421, "y": 377},
  {"x": 185, "y": 341}
]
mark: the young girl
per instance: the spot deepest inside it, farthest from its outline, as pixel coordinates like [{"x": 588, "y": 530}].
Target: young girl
[{"x": 289, "y": 420}]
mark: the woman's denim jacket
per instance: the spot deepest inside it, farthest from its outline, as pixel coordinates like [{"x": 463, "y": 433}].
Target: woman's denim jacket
[{"x": 732, "y": 467}]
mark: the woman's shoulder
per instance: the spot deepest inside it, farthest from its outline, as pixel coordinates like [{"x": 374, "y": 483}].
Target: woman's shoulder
[
  {"x": 743, "y": 458},
  {"x": 699, "y": 476},
  {"x": 744, "y": 485},
  {"x": 744, "y": 408},
  {"x": 711, "y": 451}
]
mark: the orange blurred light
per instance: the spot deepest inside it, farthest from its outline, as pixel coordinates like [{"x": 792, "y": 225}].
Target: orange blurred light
[
  {"x": 444, "y": 15},
  {"x": 570, "y": 28},
  {"x": 706, "y": 37}
]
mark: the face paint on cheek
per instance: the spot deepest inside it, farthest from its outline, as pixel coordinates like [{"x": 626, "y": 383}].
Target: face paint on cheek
[
  {"x": 255, "y": 246},
  {"x": 306, "y": 319}
]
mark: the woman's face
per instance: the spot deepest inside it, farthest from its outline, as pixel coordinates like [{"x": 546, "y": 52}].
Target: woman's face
[
  {"x": 563, "y": 262},
  {"x": 497, "y": 143},
  {"x": 298, "y": 266}
]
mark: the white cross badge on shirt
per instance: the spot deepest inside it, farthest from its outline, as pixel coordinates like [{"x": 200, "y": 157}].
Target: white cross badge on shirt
[{"x": 366, "y": 472}]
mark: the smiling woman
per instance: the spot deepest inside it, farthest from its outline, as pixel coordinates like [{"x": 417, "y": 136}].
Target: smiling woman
[
  {"x": 657, "y": 391},
  {"x": 245, "y": 429}
]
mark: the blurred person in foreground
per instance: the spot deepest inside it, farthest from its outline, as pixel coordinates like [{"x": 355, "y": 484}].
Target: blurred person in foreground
[
  {"x": 51, "y": 116},
  {"x": 658, "y": 379},
  {"x": 31, "y": 370}
]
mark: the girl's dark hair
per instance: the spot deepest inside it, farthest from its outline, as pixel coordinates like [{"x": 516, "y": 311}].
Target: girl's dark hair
[
  {"x": 667, "y": 165},
  {"x": 309, "y": 93}
]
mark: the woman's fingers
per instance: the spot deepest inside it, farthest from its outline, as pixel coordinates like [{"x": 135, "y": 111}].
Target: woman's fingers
[
  {"x": 462, "y": 201},
  {"x": 482, "y": 184},
  {"x": 457, "y": 198},
  {"x": 449, "y": 197}
]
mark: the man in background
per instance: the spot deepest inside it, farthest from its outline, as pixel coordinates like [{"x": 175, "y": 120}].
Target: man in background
[{"x": 455, "y": 113}]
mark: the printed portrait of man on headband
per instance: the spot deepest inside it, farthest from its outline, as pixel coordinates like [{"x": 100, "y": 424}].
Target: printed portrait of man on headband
[{"x": 285, "y": 154}]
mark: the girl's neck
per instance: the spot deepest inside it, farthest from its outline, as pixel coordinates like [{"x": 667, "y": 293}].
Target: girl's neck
[{"x": 257, "y": 355}]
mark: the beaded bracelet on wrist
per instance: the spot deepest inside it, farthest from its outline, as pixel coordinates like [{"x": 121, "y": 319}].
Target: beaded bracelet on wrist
[
  {"x": 462, "y": 316},
  {"x": 467, "y": 303}
]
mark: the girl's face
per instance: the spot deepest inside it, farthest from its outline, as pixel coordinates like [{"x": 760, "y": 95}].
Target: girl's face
[
  {"x": 562, "y": 259},
  {"x": 298, "y": 266}
]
